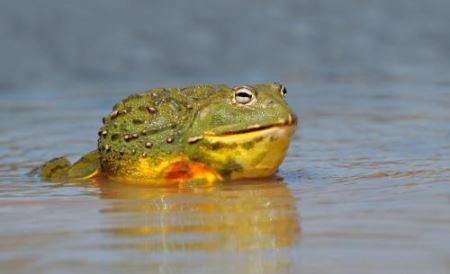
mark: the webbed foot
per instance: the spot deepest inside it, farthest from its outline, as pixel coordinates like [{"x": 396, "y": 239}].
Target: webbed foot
[{"x": 86, "y": 167}]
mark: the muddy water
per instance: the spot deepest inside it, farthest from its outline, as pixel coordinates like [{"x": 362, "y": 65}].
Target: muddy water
[{"x": 365, "y": 188}]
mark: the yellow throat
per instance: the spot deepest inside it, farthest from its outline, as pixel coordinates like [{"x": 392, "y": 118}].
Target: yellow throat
[{"x": 258, "y": 152}]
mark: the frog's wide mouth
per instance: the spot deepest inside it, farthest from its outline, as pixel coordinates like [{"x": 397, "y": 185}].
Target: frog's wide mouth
[{"x": 291, "y": 121}]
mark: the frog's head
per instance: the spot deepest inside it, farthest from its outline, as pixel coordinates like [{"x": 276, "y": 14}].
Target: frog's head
[{"x": 243, "y": 131}]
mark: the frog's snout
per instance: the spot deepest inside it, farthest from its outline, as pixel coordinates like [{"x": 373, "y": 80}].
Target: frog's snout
[{"x": 292, "y": 120}]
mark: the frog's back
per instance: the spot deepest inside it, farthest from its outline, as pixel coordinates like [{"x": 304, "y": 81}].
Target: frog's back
[{"x": 144, "y": 133}]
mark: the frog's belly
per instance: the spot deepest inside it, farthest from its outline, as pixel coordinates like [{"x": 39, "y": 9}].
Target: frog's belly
[{"x": 251, "y": 154}]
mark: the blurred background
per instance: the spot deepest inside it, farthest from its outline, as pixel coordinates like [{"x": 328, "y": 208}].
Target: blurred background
[{"x": 62, "y": 43}]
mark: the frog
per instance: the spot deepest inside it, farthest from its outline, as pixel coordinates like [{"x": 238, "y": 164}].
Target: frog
[{"x": 202, "y": 133}]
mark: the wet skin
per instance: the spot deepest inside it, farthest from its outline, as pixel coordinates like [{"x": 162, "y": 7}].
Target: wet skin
[{"x": 197, "y": 134}]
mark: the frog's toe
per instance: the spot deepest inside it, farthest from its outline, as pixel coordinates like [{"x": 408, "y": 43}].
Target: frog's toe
[
  {"x": 55, "y": 168},
  {"x": 87, "y": 167}
]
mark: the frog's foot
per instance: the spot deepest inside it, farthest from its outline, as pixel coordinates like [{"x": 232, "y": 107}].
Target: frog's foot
[
  {"x": 189, "y": 173},
  {"x": 54, "y": 169},
  {"x": 86, "y": 167}
]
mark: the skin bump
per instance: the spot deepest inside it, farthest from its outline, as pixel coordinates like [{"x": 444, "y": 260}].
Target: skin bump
[{"x": 152, "y": 110}]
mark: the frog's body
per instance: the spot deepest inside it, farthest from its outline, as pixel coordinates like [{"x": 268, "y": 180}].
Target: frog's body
[{"x": 197, "y": 133}]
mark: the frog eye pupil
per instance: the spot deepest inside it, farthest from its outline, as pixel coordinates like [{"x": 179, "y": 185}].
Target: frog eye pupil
[
  {"x": 283, "y": 91},
  {"x": 243, "y": 96}
]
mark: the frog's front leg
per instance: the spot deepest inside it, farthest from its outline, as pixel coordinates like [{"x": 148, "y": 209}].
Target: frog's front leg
[{"x": 86, "y": 167}]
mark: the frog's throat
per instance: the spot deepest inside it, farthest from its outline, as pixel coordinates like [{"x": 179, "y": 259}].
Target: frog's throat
[{"x": 254, "y": 153}]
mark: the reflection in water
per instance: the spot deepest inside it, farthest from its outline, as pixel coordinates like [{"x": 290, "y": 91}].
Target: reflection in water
[{"x": 245, "y": 217}]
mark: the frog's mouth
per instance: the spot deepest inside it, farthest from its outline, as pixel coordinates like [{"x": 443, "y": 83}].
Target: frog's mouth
[
  {"x": 281, "y": 123},
  {"x": 289, "y": 122}
]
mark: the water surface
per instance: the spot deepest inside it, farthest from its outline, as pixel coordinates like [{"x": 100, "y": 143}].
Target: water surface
[{"x": 364, "y": 189}]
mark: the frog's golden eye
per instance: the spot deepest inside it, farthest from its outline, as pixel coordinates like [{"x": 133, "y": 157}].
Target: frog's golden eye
[
  {"x": 244, "y": 95},
  {"x": 283, "y": 91}
]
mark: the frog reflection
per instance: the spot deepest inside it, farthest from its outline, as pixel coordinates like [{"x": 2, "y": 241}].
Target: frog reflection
[{"x": 243, "y": 216}]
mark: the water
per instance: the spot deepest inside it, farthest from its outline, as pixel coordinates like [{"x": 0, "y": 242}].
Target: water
[{"x": 363, "y": 189}]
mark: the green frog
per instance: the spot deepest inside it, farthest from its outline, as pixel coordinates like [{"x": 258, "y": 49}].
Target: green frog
[{"x": 199, "y": 133}]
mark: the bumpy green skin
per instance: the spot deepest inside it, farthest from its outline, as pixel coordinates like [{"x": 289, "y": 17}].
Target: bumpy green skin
[
  {"x": 152, "y": 124},
  {"x": 162, "y": 122}
]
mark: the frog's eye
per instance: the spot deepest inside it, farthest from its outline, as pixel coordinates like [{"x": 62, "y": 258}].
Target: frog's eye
[
  {"x": 243, "y": 95},
  {"x": 283, "y": 91}
]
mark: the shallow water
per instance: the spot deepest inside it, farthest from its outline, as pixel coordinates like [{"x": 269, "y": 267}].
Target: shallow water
[{"x": 364, "y": 189}]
